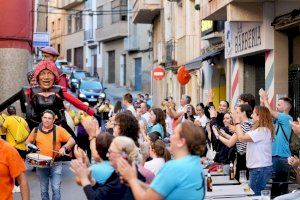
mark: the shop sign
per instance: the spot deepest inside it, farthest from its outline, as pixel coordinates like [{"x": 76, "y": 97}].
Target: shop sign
[
  {"x": 207, "y": 26},
  {"x": 41, "y": 39},
  {"x": 243, "y": 38}
]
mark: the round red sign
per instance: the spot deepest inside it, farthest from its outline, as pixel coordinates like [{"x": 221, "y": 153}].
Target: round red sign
[{"x": 158, "y": 73}]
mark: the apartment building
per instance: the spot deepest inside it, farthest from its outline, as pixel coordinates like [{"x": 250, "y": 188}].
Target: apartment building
[
  {"x": 176, "y": 42},
  {"x": 261, "y": 46},
  {"x": 65, "y": 25},
  {"x": 138, "y": 45},
  {"x": 110, "y": 33}
]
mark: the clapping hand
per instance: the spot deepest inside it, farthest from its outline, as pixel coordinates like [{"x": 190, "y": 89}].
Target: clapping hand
[
  {"x": 128, "y": 172},
  {"x": 210, "y": 96},
  {"x": 212, "y": 112},
  {"x": 236, "y": 116},
  {"x": 91, "y": 127},
  {"x": 296, "y": 126},
  {"x": 82, "y": 173},
  {"x": 294, "y": 161},
  {"x": 263, "y": 95},
  {"x": 216, "y": 132},
  {"x": 81, "y": 155}
]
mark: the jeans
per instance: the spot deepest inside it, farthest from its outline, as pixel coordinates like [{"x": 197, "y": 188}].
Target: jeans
[
  {"x": 54, "y": 174},
  {"x": 281, "y": 171},
  {"x": 259, "y": 178}
]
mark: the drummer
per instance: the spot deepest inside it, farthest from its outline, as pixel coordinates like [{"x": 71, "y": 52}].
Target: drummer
[{"x": 48, "y": 138}]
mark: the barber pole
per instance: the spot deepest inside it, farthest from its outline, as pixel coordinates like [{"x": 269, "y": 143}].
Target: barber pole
[
  {"x": 234, "y": 82},
  {"x": 269, "y": 76}
]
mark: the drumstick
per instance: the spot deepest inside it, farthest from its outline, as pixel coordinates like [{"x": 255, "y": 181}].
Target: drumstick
[{"x": 53, "y": 151}]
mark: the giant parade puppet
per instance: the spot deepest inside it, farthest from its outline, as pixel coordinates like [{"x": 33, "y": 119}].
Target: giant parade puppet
[{"x": 37, "y": 98}]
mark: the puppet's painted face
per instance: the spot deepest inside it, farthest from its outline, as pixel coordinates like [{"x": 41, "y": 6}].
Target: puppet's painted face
[{"x": 46, "y": 79}]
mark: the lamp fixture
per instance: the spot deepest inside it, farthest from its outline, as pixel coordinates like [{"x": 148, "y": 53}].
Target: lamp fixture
[{"x": 212, "y": 63}]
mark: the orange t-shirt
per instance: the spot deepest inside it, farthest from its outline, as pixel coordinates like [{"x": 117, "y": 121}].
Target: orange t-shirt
[
  {"x": 11, "y": 166},
  {"x": 44, "y": 141}
]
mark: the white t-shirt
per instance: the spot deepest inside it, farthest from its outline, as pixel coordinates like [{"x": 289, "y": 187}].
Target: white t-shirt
[
  {"x": 132, "y": 110},
  {"x": 259, "y": 152},
  {"x": 146, "y": 117},
  {"x": 169, "y": 124},
  {"x": 155, "y": 165},
  {"x": 203, "y": 120}
]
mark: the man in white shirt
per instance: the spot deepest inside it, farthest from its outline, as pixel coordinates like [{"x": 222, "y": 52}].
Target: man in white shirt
[
  {"x": 179, "y": 115},
  {"x": 127, "y": 102},
  {"x": 144, "y": 114}
]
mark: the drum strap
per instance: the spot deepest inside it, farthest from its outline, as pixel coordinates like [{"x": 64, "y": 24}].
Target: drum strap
[{"x": 53, "y": 140}]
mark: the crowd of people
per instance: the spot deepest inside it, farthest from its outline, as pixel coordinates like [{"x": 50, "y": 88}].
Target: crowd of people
[{"x": 134, "y": 150}]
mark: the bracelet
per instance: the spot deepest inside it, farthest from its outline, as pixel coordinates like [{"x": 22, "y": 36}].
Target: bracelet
[{"x": 90, "y": 139}]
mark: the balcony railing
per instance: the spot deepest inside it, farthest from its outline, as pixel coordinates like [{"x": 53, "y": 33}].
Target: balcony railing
[
  {"x": 187, "y": 48},
  {"x": 89, "y": 35},
  {"x": 131, "y": 43},
  {"x": 144, "y": 11},
  {"x": 170, "y": 52},
  {"x": 67, "y": 4}
]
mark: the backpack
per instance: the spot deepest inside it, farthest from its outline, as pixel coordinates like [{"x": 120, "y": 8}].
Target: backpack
[{"x": 294, "y": 141}]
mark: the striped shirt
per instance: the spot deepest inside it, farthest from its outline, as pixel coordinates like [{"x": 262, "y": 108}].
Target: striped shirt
[{"x": 242, "y": 146}]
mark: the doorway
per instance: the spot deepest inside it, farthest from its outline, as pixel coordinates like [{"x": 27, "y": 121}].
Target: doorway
[
  {"x": 78, "y": 57},
  {"x": 111, "y": 67},
  {"x": 138, "y": 74},
  {"x": 254, "y": 74}
]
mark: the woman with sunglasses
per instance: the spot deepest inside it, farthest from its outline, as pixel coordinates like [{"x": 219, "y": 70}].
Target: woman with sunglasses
[
  {"x": 114, "y": 187},
  {"x": 181, "y": 178}
]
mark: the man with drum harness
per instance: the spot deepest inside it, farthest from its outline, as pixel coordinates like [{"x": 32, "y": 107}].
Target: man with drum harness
[{"x": 48, "y": 138}]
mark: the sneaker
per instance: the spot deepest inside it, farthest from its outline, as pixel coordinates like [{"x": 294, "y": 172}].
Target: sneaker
[{"x": 16, "y": 189}]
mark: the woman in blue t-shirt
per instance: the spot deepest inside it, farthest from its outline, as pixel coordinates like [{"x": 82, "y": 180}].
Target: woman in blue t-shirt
[
  {"x": 181, "y": 178},
  {"x": 158, "y": 119}
]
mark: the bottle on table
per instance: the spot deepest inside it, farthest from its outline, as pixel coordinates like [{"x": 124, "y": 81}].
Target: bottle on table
[
  {"x": 209, "y": 183},
  {"x": 231, "y": 172}
]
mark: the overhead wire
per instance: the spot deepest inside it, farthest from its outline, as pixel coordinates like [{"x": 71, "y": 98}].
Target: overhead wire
[{"x": 101, "y": 12}]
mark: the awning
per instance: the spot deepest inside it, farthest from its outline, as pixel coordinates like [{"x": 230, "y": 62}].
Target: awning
[
  {"x": 287, "y": 20},
  {"x": 196, "y": 63}
]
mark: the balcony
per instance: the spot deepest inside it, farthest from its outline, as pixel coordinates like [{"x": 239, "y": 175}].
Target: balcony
[
  {"x": 144, "y": 11},
  {"x": 67, "y": 4},
  {"x": 89, "y": 35},
  {"x": 112, "y": 32},
  {"x": 131, "y": 44},
  {"x": 187, "y": 48}
]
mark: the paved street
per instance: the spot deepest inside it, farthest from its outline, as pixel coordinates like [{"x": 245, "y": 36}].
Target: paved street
[{"x": 69, "y": 188}]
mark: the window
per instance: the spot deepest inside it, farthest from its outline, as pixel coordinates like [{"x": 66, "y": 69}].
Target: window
[
  {"x": 100, "y": 17},
  {"x": 52, "y": 28},
  {"x": 47, "y": 24},
  {"x": 78, "y": 21},
  {"x": 69, "y": 55},
  {"x": 119, "y": 9},
  {"x": 69, "y": 24},
  {"x": 58, "y": 48},
  {"x": 58, "y": 24}
]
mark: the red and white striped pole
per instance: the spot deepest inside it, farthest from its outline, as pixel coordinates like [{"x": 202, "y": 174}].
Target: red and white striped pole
[{"x": 269, "y": 76}]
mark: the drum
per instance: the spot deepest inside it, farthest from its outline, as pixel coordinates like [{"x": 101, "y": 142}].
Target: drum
[{"x": 38, "y": 160}]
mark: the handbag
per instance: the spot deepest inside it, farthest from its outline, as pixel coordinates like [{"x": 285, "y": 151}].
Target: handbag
[{"x": 211, "y": 153}]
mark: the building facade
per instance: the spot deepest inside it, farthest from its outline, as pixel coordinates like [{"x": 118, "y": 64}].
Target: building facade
[
  {"x": 261, "y": 43},
  {"x": 176, "y": 41},
  {"x": 65, "y": 25}
]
